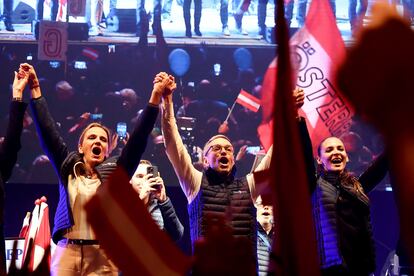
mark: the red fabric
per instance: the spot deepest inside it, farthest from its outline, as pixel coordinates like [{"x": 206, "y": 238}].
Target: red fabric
[
  {"x": 248, "y": 101},
  {"x": 335, "y": 112},
  {"x": 39, "y": 232},
  {"x": 321, "y": 45},
  {"x": 128, "y": 234},
  {"x": 295, "y": 242},
  {"x": 25, "y": 226},
  {"x": 42, "y": 239}
]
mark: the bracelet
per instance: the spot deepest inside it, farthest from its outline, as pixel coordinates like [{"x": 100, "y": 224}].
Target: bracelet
[
  {"x": 17, "y": 99},
  {"x": 34, "y": 86}
]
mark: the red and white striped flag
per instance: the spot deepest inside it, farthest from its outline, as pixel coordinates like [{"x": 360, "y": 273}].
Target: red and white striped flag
[
  {"x": 90, "y": 53},
  {"x": 25, "y": 226},
  {"x": 319, "y": 48},
  {"x": 248, "y": 101},
  {"x": 39, "y": 232},
  {"x": 128, "y": 234}
]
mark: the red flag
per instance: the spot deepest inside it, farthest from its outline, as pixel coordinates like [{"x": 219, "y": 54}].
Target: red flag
[
  {"x": 248, "y": 101},
  {"x": 295, "y": 244},
  {"x": 319, "y": 48},
  {"x": 39, "y": 232},
  {"x": 25, "y": 227},
  {"x": 128, "y": 234},
  {"x": 90, "y": 53}
]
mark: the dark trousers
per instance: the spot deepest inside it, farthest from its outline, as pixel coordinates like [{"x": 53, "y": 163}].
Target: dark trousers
[
  {"x": 187, "y": 15},
  {"x": 301, "y": 13},
  {"x": 355, "y": 15},
  {"x": 7, "y": 9},
  {"x": 156, "y": 25},
  {"x": 224, "y": 12}
]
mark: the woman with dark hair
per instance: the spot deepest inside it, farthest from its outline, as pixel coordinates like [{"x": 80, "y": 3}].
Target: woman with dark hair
[
  {"x": 341, "y": 211},
  {"x": 80, "y": 174}
]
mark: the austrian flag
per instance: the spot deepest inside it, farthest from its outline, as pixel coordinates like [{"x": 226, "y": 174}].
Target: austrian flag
[
  {"x": 90, "y": 53},
  {"x": 248, "y": 101}
]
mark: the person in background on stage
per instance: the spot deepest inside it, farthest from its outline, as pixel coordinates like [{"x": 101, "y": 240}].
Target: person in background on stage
[
  {"x": 187, "y": 17},
  {"x": 265, "y": 232},
  {"x": 7, "y": 12},
  {"x": 156, "y": 16},
  {"x": 242, "y": 7},
  {"x": 9, "y": 148},
  {"x": 94, "y": 13},
  {"x": 356, "y": 16},
  {"x": 300, "y": 15},
  {"x": 224, "y": 16},
  {"x": 80, "y": 173},
  {"x": 54, "y": 6},
  {"x": 151, "y": 190}
]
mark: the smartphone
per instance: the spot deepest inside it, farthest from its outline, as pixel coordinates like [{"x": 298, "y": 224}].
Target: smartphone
[
  {"x": 152, "y": 170},
  {"x": 253, "y": 150},
  {"x": 121, "y": 130}
]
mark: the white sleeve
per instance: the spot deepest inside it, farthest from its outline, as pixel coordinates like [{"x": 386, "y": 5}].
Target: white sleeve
[{"x": 189, "y": 177}]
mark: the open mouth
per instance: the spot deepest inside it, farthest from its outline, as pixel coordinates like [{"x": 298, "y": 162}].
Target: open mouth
[
  {"x": 223, "y": 160},
  {"x": 336, "y": 160},
  {"x": 96, "y": 150},
  {"x": 266, "y": 213}
]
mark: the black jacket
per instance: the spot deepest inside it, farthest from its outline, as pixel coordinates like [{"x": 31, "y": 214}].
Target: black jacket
[
  {"x": 63, "y": 160},
  {"x": 8, "y": 157}
]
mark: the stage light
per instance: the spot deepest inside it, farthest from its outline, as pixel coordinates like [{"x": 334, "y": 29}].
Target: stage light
[
  {"x": 81, "y": 65},
  {"x": 29, "y": 56}
]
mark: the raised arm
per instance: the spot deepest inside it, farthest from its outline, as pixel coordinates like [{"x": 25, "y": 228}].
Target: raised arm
[
  {"x": 137, "y": 142},
  {"x": 189, "y": 177},
  {"x": 11, "y": 144},
  {"x": 50, "y": 139},
  {"x": 375, "y": 173}
]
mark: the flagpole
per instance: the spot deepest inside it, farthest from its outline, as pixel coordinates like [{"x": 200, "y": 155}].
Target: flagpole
[{"x": 230, "y": 111}]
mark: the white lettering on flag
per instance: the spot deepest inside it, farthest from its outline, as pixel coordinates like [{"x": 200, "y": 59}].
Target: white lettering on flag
[{"x": 326, "y": 110}]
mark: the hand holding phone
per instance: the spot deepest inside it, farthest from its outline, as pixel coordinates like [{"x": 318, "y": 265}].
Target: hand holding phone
[{"x": 121, "y": 130}]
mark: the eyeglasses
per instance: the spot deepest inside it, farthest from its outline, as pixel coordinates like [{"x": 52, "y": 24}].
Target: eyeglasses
[{"x": 218, "y": 148}]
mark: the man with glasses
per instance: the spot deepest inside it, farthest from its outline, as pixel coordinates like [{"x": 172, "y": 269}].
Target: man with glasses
[{"x": 213, "y": 192}]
